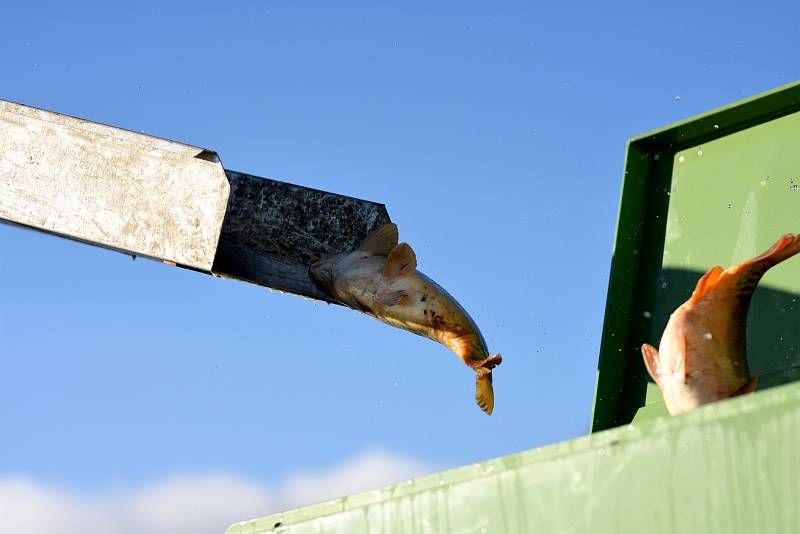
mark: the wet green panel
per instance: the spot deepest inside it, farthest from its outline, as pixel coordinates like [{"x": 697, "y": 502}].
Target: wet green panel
[
  {"x": 728, "y": 467},
  {"x": 716, "y": 189},
  {"x": 732, "y": 198}
]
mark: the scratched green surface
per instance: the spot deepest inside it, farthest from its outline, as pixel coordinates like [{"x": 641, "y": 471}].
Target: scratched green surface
[
  {"x": 731, "y": 198},
  {"x": 729, "y": 467}
]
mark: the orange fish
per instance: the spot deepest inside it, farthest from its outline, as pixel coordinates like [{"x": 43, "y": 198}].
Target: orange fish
[
  {"x": 702, "y": 356},
  {"x": 381, "y": 280}
]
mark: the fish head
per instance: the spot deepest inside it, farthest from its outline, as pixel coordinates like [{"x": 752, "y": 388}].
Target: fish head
[{"x": 321, "y": 272}]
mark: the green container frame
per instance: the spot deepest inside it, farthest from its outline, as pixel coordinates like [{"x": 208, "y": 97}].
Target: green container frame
[{"x": 622, "y": 381}]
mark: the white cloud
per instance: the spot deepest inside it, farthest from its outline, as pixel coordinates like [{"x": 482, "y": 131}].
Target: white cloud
[
  {"x": 367, "y": 471},
  {"x": 187, "y": 504}
]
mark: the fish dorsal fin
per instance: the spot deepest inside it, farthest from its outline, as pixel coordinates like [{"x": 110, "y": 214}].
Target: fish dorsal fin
[
  {"x": 381, "y": 240},
  {"x": 401, "y": 262},
  {"x": 707, "y": 283}
]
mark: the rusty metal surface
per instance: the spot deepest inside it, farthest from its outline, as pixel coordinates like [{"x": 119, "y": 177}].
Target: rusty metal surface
[{"x": 272, "y": 230}]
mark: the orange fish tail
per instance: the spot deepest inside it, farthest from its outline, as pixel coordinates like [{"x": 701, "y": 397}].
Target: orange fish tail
[
  {"x": 786, "y": 247},
  {"x": 742, "y": 279}
]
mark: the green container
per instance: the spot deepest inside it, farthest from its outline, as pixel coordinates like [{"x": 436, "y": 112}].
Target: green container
[
  {"x": 716, "y": 189},
  {"x": 729, "y": 467}
]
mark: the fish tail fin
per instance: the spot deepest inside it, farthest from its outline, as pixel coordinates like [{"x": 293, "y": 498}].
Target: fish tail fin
[
  {"x": 741, "y": 280},
  {"x": 484, "y": 392},
  {"x": 786, "y": 247}
]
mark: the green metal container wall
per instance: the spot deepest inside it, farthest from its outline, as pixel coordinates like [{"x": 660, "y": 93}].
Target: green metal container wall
[
  {"x": 714, "y": 190},
  {"x": 728, "y": 467}
]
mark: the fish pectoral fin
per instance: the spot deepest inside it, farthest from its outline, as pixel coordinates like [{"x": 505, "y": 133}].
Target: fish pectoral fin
[
  {"x": 748, "y": 388},
  {"x": 484, "y": 392},
  {"x": 401, "y": 262},
  {"x": 381, "y": 240},
  {"x": 391, "y": 298},
  {"x": 652, "y": 362}
]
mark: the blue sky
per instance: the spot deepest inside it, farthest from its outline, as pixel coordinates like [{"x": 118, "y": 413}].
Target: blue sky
[{"x": 494, "y": 133}]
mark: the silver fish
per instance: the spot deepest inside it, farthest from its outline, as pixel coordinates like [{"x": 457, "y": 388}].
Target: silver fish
[
  {"x": 702, "y": 356},
  {"x": 381, "y": 280}
]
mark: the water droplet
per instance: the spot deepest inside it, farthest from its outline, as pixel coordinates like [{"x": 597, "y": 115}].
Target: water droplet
[
  {"x": 716, "y": 126},
  {"x": 657, "y": 156},
  {"x": 647, "y": 314},
  {"x": 700, "y": 152},
  {"x": 483, "y": 530},
  {"x": 441, "y": 482},
  {"x": 677, "y": 98},
  {"x": 663, "y": 285},
  {"x": 708, "y": 335},
  {"x": 730, "y": 206},
  {"x": 396, "y": 384},
  {"x": 681, "y": 159}
]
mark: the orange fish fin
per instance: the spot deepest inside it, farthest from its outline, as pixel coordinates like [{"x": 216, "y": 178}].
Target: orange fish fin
[
  {"x": 706, "y": 283},
  {"x": 749, "y": 273},
  {"x": 401, "y": 262},
  {"x": 484, "y": 392},
  {"x": 748, "y": 388},
  {"x": 391, "y": 298},
  {"x": 784, "y": 248},
  {"x": 652, "y": 362},
  {"x": 381, "y": 240}
]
